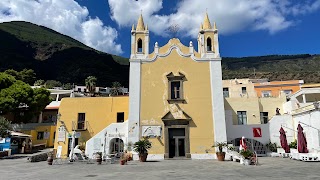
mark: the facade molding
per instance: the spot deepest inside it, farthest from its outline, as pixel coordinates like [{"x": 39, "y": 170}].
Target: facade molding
[{"x": 212, "y": 57}]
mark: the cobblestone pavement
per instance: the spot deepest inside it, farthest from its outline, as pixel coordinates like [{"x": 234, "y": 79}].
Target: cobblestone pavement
[{"x": 269, "y": 168}]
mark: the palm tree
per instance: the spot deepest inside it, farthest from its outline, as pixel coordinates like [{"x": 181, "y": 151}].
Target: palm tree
[
  {"x": 91, "y": 82},
  {"x": 115, "y": 89}
]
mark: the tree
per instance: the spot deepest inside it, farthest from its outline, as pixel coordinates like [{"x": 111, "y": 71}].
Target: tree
[
  {"x": 17, "y": 97},
  {"x": 26, "y": 75},
  {"x": 115, "y": 89},
  {"x": 52, "y": 83},
  {"x": 91, "y": 82},
  {"x": 67, "y": 86},
  {"x": 39, "y": 82},
  {"x": 6, "y": 80},
  {"x": 5, "y": 127}
]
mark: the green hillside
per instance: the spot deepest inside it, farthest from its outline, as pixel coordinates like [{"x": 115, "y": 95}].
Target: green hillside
[
  {"x": 59, "y": 57},
  {"x": 56, "y": 56},
  {"x": 274, "y": 67}
]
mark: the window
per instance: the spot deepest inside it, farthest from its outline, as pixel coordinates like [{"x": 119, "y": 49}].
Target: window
[
  {"x": 209, "y": 44},
  {"x": 264, "y": 117},
  {"x": 120, "y": 117},
  {"x": 266, "y": 93},
  {"x": 81, "y": 120},
  {"x": 79, "y": 89},
  {"x": 225, "y": 92},
  {"x": 242, "y": 117},
  {"x": 175, "y": 84},
  {"x": 287, "y": 92},
  {"x": 244, "y": 90},
  {"x": 40, "y": 135},
  {"x": 175, "y": 90},
  {"x": 139, "y": 46}
]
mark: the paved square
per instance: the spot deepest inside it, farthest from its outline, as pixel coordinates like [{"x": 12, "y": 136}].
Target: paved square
[{"x": 269, "y": 168}]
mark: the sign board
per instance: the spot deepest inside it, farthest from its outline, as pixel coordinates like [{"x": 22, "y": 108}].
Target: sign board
[
  {"x": 257, "y": 132},
  {"x": 76, "y": 135},
  {"x": 116, "y": 135},
  {"x": 61, "y": 134},
  {"x": 46, "y": 135},
  {"x": 151, "y": 131}
]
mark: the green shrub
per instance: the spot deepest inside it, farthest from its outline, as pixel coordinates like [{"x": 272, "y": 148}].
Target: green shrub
[
  {"x": 272, "y": 147},
  {"x": 293, "y": 144}
]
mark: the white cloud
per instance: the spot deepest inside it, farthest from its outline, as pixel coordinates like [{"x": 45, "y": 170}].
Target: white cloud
[
  {"x": 232, "y": 16},
  {"x": 64, "y": 16}
]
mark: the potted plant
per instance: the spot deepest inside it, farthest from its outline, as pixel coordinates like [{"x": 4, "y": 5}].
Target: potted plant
[
  {"x": 247, "y": 154},
  {"x": 141, "y": 147},
  {"x": 123, "y": 159},
  {"x": 50, "y": 158},
  {"x": 220, "y": 154},
  {"x": 99, "y": 157}
]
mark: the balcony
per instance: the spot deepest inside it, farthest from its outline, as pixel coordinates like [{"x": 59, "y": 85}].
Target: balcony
[{"x": 79, "y": 126}]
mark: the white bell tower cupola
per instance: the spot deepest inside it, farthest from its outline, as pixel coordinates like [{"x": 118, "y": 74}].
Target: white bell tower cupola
[
  {"x": 208, "y": 43},
  {"x": 139, "y": 40}
]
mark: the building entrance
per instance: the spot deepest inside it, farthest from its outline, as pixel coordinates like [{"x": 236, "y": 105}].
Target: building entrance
[{"x": 177, "y": 143}]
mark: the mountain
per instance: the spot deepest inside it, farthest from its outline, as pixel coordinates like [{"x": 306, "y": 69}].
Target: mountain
[
  {"x": 274, "y": 67},
  {"x": 55, "y": 56}
]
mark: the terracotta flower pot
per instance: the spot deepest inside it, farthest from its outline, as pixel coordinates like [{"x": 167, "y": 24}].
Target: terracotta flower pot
[
  {"x": 99, "y": 159},
  {"x": 122, "y": 162},
  {"x": 221, "y": 156},
  {"x": 50, "y": 160},
  {"x": 143, "y": 157}
]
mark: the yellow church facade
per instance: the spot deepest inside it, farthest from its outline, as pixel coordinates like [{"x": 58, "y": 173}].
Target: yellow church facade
[{"x": 176, "y": 94}]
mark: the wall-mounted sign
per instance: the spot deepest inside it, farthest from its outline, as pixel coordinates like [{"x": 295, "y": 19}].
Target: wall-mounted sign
[
  {"x": 151, "y": 131},
  {"x": 257, "y": 132},
  {"x": 116, "y": 135},
  {"x": 46, "y": 135},
  {"x": 61, "y": 134}
]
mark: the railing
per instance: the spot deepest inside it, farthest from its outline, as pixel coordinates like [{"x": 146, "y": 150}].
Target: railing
[
  {"x": 304, "y": 109},
  {"x": 79, "y": 126}
]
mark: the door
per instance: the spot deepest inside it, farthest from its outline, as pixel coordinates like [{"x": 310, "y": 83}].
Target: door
[
  {"x": 179, "y": 146},
  {"x": 177, "y": 142}
]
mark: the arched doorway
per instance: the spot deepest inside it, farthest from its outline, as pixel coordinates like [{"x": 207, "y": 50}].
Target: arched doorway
[
  {"x": 252, "y": 145},
  {"x": 116, "y": 145}
]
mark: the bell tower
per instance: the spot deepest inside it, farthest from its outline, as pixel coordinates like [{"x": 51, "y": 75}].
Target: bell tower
[
  {"x": 208, "y": 44},
  {"x": 139, "y": 40},
  {"x": 139, "y": 52}
]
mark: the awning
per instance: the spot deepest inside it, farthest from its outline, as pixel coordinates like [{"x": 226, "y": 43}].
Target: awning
[{"x": 19, "y": 134}]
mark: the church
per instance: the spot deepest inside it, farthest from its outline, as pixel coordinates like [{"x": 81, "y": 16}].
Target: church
[{"x": 176, "y": 94}]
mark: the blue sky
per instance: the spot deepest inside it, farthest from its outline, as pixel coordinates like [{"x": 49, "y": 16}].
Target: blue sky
[{"x": 246, "y": 27}]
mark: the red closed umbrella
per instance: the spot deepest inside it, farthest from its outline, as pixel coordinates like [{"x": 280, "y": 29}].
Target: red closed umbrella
[
  {"x": 283, "y": 140},
  {"x": 302, "y": 142}
]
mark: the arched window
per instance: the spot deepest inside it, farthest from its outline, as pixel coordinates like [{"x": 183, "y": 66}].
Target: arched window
[
  {"x": 139, "y": 46},
  {"x": 209, "y": 44}
]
